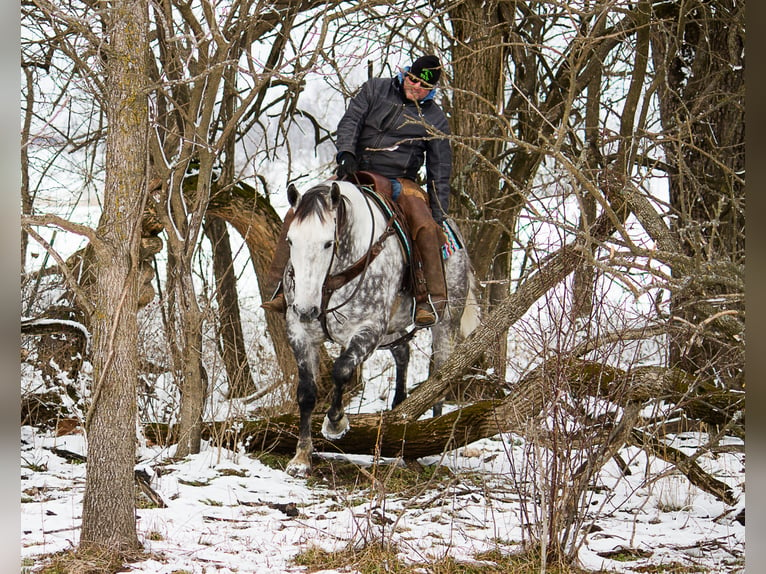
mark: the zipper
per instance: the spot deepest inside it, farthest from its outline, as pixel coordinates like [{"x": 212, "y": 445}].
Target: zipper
[{"x": 384, "y": 129}]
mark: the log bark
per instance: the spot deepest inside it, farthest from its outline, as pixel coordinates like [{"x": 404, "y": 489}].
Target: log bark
[
  {"x": 373, "y": 434},
  {"x": 390, "y": 434}
]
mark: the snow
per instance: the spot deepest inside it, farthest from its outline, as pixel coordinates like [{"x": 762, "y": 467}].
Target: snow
[{"x": 226, "y": 511}]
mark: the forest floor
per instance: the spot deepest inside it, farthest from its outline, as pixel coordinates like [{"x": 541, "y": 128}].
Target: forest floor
[{"x": 235, "y": 512}]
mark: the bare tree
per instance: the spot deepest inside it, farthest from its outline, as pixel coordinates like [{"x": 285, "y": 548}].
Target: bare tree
[
  {"x": 699, "y": 55},
  {"x": 109, "y": 505}
]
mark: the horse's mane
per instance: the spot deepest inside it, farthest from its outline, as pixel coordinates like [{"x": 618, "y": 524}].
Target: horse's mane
[{"x": 316, "y": 201}]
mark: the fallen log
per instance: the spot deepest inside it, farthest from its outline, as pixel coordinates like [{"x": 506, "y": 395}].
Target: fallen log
[{"x": 381, "y": 434}]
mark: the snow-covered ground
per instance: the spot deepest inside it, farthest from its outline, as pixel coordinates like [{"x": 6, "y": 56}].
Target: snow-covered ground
[{"x": 228, "y": 512}]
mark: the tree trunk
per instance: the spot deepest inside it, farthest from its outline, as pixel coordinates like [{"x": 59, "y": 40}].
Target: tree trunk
[
  {"x": 108, "y": 517},
  {"x": 26, "y": 196},
  {"x": 185, "y": 338},
  {"x": 702, "y": 108},
  {"x": 185, "y": 318},
  {"x": 231, "y": 341},
  {"x": 477, "y": 101},
  {"x": 585, "y": 276}
]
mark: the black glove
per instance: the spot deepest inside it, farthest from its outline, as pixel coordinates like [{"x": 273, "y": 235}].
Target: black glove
[
  {"x": 438, "y": 214},
  {"x": 346, "y": 165}
]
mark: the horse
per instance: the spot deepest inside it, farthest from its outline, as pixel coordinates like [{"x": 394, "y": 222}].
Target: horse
[{"x": 346, "y": 283}]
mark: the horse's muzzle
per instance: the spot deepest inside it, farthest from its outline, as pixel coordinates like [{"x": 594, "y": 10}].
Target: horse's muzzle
[{"x": 306, "y": 316}]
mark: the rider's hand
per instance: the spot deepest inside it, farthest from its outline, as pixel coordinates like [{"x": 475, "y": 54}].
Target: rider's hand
[
  {"x": 347, "y": 165},
  {"x": 438, "y": 215}
]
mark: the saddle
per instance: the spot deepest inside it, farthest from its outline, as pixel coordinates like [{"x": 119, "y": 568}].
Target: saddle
[{"x": 379, "y": 188}]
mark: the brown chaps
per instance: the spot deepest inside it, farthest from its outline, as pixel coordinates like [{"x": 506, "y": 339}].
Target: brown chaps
[{"x": 427, "y": 240}]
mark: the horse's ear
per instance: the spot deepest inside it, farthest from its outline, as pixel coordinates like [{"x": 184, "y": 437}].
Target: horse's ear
[
  {"x": 292, "y": 194},
  {"x": 335, "y": 194}
]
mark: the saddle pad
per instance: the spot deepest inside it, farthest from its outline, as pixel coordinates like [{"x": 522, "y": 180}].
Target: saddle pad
[{"x": 452, "y": 244}]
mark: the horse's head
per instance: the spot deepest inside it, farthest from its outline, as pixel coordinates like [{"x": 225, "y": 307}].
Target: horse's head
[{"x": 312, "y": 237}]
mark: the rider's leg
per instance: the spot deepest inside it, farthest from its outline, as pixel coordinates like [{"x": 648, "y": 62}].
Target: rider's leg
[
  {"x": 430, "y": 308},
  {"x": 427, "y": 238},
  {"x": 277, "y": 269}
]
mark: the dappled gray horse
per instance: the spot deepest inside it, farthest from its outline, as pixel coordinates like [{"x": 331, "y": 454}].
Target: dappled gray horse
[{"x": 346, "y": 283}]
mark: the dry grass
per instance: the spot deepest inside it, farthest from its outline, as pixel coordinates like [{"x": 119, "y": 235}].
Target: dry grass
[
  {"x": 384, "y": 558},
  {"x": 80, "y": 562},
  {"x": 90, "y": 561}
]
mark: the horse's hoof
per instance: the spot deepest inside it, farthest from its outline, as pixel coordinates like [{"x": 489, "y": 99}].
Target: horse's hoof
[
  {"x": 335, "y": 430},
  {"x": 298, "y": 470}
]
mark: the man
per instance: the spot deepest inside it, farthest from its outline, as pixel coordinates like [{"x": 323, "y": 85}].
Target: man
[{"x": 391, "y": 127}]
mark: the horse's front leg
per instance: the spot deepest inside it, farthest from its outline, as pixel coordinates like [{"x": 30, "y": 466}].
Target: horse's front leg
[
  {"x": 336, "y": 423},
  {"x": 300, "y": 465}
]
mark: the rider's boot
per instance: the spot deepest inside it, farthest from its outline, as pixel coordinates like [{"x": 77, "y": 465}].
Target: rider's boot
[
  {"x": 431, "y": 301},
  {"x": 277, "y": 303}
]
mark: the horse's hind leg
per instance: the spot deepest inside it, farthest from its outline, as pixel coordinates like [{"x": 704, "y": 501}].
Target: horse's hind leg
[
  {"x": 441, "y": 347},
  {"x": 300, "y": 465},
  {"x": 336, "y": 423},
  {"x": 401, "y": 353}
]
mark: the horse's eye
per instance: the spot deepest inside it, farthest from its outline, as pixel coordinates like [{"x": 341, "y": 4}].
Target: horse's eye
[
  {"x": 328, "y": 245},
  {"x": 290, "y": 242}
]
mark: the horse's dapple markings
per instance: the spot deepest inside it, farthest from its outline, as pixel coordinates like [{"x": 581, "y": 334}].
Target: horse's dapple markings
[{"x": 334, "y": 226}]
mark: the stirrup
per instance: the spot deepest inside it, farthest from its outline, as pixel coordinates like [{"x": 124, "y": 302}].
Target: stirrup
[{"x": 426, "y": 316}]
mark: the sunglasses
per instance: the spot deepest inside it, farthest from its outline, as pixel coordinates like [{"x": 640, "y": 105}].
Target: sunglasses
[{"x": 419, "y": 82}]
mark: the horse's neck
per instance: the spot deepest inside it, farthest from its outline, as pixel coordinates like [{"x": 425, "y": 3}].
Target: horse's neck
[{"x": 360, "y": 229}]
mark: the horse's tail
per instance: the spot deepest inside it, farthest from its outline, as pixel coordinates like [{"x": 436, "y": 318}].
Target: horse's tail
[{"x": 471, "y": 316}]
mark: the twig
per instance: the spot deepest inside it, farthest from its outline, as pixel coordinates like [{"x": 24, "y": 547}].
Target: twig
[
  {"x": 685, "y": 464},
  {"x": 70, "y": 278}
]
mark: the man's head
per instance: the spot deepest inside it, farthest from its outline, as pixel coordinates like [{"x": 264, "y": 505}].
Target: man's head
[
  {"x": 421, "y": 78},
  {"x": 427, "y": 70}
]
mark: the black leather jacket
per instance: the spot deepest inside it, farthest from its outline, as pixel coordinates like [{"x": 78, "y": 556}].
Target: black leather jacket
[{"x": 391, "y": 135}]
